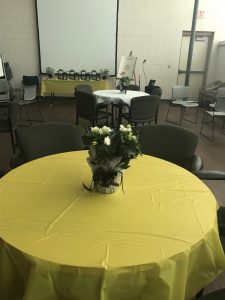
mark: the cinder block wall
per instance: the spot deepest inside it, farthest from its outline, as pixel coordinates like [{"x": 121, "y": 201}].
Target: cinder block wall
[{"x": 151, "y": 29}]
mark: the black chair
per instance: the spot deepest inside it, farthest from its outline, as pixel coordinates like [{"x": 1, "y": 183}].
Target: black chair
[
  {"x": 133, "y": 87},
  {"x": 215, "y": 295},
  {"x": 8, "y": 119},
  {"x": 118, "y": 106},
  {"x": 86, "y": 88},
  {"x": 88, "y": 109},
  {"x": 45, "y": 139},
  {"x": 157, "y": 90},
  {"x": 171, "y": 143},
  {"x": 178, "y": 145},
  {"x": 30, "y": 94},
  {"x": 142, "y": 110},
  {"x": 4, "y": 90}
]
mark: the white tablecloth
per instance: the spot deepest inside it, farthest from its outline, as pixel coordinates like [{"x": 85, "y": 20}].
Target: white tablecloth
[{"x": 117, "y": 95}]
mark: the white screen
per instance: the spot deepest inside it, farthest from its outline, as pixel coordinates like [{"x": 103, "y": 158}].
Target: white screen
[{"x": 77, "y": 34}]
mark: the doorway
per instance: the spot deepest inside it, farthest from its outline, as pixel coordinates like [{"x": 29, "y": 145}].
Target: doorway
[{"x": 200, "y": 61}]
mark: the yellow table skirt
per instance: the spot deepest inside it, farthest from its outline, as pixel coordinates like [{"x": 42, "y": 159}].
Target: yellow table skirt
[
  {"x": 59, "y": 87},
  {"x": 156, "y": 241}
]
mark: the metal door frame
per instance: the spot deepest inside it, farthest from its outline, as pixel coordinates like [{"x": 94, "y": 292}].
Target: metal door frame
[{"x": 210, "y": 35}]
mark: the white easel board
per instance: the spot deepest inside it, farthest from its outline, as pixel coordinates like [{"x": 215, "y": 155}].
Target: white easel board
[{"x": 127, "y": 66}]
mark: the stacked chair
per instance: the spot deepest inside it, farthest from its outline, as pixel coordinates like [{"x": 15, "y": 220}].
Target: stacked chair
[{"x": 214, "y": 110}]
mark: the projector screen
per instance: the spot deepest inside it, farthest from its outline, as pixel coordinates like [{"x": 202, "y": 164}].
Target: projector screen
[{"x": 77, "y": 34}]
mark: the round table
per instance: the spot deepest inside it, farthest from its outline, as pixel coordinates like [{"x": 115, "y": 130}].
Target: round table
[
  {"x": 156, "y": 240},
  {"x": 117, "y": 95}
]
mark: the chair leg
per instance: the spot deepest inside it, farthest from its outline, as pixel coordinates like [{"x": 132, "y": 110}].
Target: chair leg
[
  {"x": 196, "y": 116},
  {"x": 40, "y": 111},
  {"x": 180, "y": 118},
  {"x": 223, "y": 127},
  {"x": 156, "y": 115},
  {"x": 168, "y": 112},
  {"x": 204, "y": 121},
  {"x": 12, "y": 140},
  {"x": 213, "y": 126}
]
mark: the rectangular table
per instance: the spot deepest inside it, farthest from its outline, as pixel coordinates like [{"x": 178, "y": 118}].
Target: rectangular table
[{"x": 58, "y": 87}]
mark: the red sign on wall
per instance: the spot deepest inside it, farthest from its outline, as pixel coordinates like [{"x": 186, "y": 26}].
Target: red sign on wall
[{"x": 200, "y": 13}]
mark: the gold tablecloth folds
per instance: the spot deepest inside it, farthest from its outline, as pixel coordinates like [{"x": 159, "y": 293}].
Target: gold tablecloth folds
[
  {"x": 60, "y": 87},
  {"x": 156, "y": 241}
]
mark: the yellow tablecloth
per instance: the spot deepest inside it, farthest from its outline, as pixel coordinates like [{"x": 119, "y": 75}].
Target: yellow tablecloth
[
  {"x": 59, "y": 87},
  {"x": 156, "y": 241}
]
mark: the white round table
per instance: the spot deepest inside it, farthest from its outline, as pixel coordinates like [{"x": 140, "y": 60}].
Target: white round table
[{"x": 116, "y": 95}]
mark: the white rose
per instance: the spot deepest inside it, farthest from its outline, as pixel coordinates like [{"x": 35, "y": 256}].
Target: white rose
[
  {"x": 122, "y": 128},
  {"x": 129, "y": 128},
  {"x": 100, "y": 131},
  {"x": 106, "y": 129},
  {"x": 95, "y": 129},
  {"x": 107, "y": 141}
]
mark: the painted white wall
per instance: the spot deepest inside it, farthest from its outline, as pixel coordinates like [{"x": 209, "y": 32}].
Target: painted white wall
[{"x": 151, "y": 29}]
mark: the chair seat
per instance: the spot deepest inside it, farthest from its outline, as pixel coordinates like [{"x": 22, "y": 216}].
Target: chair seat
[
  {"x": 126, "y": 116},
  {"x": 185, "y": 103},
  {"x": 4, "y": 97},
  {"x": 216, "y": 113},
  {"x": 212, "y": 105}
]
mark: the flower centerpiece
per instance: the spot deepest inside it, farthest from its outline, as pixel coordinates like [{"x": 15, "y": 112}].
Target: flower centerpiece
[
  {"x": 104, "y": 73},
  {"x": 124, "y": 82},
  {"x": 50, "y": 72},
  {"x": 110, "y": 151}
]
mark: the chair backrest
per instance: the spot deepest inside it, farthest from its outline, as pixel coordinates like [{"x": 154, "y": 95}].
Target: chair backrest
[
  {"x": 30, "y": 80},
  {"x": 143, "y": 109},
  {"x": 30, "y": 85},
  {"x": 220, "y": 104},
  {"x": 86, "y": 88},
  {"x": 221, "y": 92},
  {"x": 157, "y": 90},
  {"x": 49, "y": 138},
  {"x": 180, "y": 92},
  {"x": 4, "y": 90},
  {"x": 133, "y": 87},
  {"x": 171, "y": 143},
  {"x": 86, "y": 106}
]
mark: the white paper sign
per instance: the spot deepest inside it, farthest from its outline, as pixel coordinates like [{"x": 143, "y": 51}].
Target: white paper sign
[{"x": 127, "y": 65}]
